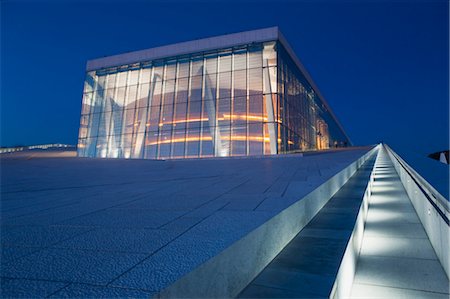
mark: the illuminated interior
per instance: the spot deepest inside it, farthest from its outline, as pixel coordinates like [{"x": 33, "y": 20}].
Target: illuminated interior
[{"x": 248, "y": 100}]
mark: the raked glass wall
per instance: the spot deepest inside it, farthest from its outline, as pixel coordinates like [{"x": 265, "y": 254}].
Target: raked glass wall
[
  {"x": 304, "y": 121},
  {"x": 221, "y": 103},
  {"x": 213, "y": 104}
]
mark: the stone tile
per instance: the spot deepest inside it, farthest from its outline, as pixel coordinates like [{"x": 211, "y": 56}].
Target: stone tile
[
  {"x": 398, "y": 247},
  {"x": 75, "y": 290},
  {"x": 382, "y": 292},
  {"x": 125, "y": 218},
  {"x": 72, "y": 265},
  {"x": 300, "y": 282},
  {"x": 257, "y": 291},
  {"x": 326, "y": 233},
  {"x": 38, "y": 236},
  {"x": 123, "y": 200},
  {"x": 334, "y": 220},
  {"x": 23, "y": 288},
  {"x": 407, "y": 273},
  {"x": 166, "y": 266},
  {"x": 121, "y": 239},
  {"x": 12, "y": 253},
  {"x": 182, "y": 224},
  {"x": 394, "y": 230}
]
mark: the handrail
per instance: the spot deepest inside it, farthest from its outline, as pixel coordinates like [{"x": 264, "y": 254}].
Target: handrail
[{"x": 416, "y": 178}]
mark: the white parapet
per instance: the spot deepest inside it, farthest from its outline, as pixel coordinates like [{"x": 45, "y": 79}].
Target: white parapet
[
  {"x": 228, "y": 273},
  {"x": 431, "y": 207}
]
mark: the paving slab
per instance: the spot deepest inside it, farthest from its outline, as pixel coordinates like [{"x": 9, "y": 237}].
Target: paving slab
[
  {"x": 107, "y": 227},
  {"x": 396, "y": 259},
  {"x": 308, "y": 266}
]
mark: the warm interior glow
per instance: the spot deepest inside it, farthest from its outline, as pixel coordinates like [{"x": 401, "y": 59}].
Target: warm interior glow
[
  {"x": 208, "y": 138},
  {"x": 245, "y": 117},
  {"x": 224, "y": 117}
]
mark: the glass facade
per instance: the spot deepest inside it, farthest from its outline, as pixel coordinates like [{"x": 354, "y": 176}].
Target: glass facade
[{"x": 241, "y": 101}]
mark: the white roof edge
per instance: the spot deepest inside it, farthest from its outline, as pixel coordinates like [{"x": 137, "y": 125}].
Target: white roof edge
[
  {"x": 199, "y": 45},
  {"x": 207, "y": 44}
]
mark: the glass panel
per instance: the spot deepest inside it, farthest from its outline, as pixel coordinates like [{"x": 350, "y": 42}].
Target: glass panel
[
  {"x": 111, "y": 79},
  {"x": 224, "y": 85},
  {"x": 207, "y": 149},
  {"x": 266, "y": 140},
  {"x": 169, "y": 92},
  {"x": 101, "y": 83},
  {"x": 183, "y": 68},
  {"x": 182, "y": 90},
  {"x": 145, "y": 76},
  {"x": 171, "y": 69},
  {"x": 255, "y": 109},
  {"x": 128, "y": 121},
  {"x": 133, "y": 77},
  {"x": 165, "y": 138},
  {"x": 94, "y": 124},
  {"x": 157, "y": 91},
  {"x": 178, "y": 143},
  {"x": 239, "y": 115},
  {"x": 211, "y": 64},
  {"x": 269, "y": 54},
  {"x": 105, "y": 120},
  {"x": 166, "y": 117},
  {"x": 270, "y": 79},
  {"x": 179, "y": 121},
  {"x": 240, "y": 83},
  {"x": 151, "y": 145},
  {"x": 224, "y": 128},
  {"x": 239, "y": 139},
  {"x": 89, "y": 82},
  {"x": 255, "y": 59},
  {"x": 192, "y": 142},
  {"x": 240, "y": 60},
  {"x": 255, "y": 139},
  {"x": 194, "y": 114},
  {"x": 87, "y": 103},
  {"x": 116, "y": 122},
  {"x": 120, "y": 97},
  {"x": 229, "y": 102},
  {"x": 197, "y": 66},
  {"x": 125, "y": 146},
  {"x": 81, "y": 147},
  {"x": 144, "y": 90},
  {"x": 255, "y": 81},
  {"x": 225, "y": 63},
  {"x": 84, "y": 122},
  {"x": 130, "y": 101},
  {"x": 196, "y": 89},
  {"x": 122, "y": 79}
]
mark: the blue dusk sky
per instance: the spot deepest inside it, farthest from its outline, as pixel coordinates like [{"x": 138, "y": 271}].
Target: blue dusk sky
[{"x": 381, "y": 65}]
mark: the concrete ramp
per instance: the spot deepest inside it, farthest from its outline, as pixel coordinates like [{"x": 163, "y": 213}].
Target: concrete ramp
[{"x": 397, "y": 259}]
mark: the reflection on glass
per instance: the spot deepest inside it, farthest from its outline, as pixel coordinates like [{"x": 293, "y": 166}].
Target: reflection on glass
[{"x": 251, "y": 100}]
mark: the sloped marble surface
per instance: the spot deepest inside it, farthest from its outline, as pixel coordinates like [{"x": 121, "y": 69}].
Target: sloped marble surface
[{"x": 78, "y": 227}]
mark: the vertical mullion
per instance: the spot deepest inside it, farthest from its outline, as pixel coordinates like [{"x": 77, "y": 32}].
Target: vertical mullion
[
  {"x": 247, "y": 95},
  {"x": 161, "y": 103},
  {"x": 232, "y": 124},
  {"x": 151, "y": 88},
  {"x": 202, "y": 110},
  {"x": 218, "y": 135},
  {"x": 111, "y": 119},
  {"x": 188, "y": 103},
  {"x": 99, "y": 115},
  {"x": 175, "y": 94},
  {"x": 136, "y": 113},
  {"x": 108, "y": 129}
]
